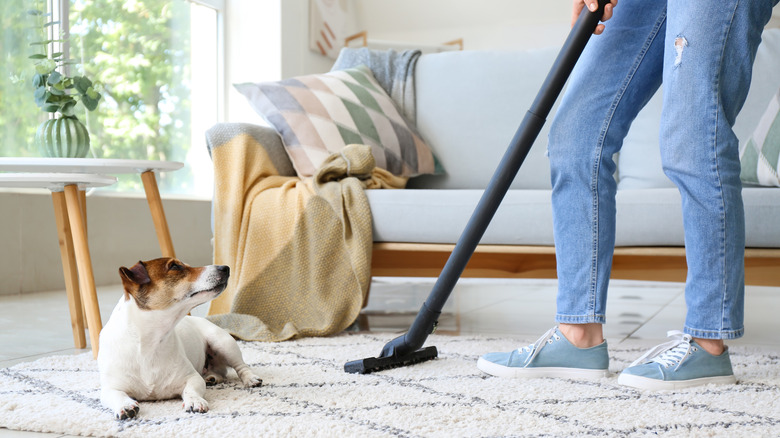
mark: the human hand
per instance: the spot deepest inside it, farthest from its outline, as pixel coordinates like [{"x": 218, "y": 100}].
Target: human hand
[{"x": 592, "y": 5}]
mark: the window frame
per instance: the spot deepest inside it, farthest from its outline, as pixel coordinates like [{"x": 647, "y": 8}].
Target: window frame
[{"x": 219, "y": 7}]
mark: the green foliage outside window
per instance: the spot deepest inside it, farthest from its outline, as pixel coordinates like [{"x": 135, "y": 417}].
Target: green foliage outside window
[
  {"x": 19, "y": 115},
  {"x": 139, "y": 51}
]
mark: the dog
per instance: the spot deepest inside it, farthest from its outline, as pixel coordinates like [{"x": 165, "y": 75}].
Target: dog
[{"x": 150, "y": 349}]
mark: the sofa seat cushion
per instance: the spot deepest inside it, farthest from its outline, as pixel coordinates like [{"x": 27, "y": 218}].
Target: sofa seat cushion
[
  {"x": 525, "y": 217},
  {"x": 439, "y": 216}
]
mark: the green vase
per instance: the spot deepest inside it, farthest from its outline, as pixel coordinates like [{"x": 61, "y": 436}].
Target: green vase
[{"x": 65, "y": 137}]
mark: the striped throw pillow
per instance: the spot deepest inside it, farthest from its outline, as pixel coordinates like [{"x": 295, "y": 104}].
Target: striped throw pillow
[
  {"x": 317, "y": 115},
  {"x": 760, "y": 157}
]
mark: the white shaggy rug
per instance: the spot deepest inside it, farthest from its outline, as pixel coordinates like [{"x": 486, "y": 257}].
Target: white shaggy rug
[{"x": 306, "y": 393}]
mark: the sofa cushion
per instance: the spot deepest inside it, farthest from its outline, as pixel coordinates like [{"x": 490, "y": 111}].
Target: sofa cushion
[
  {"x": 761, "y": 155},
  {"x": 469, "y": 105},
  {"x": 317, "y": 115},
  {"x": 525, "y": 217},
  {"x": 469, "y": 128}
]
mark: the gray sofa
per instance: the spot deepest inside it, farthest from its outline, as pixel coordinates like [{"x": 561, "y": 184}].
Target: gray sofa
[{"x": 468, "y": 106}]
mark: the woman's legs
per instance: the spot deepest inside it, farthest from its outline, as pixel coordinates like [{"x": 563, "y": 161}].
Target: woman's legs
[
  {"x": 710, "y": 48},
  {"x": 703, "y": 51},
  {"x": 616, "y": 76}
]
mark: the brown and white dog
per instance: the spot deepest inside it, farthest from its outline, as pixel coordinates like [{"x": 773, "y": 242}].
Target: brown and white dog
[{"x": 151, "y": 350}]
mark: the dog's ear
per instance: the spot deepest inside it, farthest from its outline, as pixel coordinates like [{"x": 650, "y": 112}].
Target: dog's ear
[
  {"x": 134, "y": 277},
  {"x": 137, "y": 274}
]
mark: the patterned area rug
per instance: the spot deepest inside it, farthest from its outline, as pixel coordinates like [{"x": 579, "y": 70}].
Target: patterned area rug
[{"x": 307, "y": 393}]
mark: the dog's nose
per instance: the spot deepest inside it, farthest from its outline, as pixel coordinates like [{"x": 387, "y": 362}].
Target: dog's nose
[{"x": 223, "y": 269}]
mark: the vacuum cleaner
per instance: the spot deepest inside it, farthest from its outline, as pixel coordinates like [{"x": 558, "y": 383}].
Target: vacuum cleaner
[{"x": 405, "y": 349}]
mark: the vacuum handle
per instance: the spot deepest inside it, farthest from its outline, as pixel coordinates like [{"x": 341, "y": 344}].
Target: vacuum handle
[
  {"x": 509, "y": 165},
  {"x": 496, "y": 189}
]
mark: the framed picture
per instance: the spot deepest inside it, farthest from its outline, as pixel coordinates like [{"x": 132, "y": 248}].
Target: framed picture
[{"x": 330, "y": 22}]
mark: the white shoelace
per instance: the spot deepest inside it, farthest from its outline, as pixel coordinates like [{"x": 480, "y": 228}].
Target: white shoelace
[
  {"x": 673, "y": 352},
  {"x": 537, "y": 346}
]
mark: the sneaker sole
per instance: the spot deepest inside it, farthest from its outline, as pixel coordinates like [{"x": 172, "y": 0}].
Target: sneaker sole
[
  {"x": 640, "y": 382},
  {"x": 560, "y": 372}
]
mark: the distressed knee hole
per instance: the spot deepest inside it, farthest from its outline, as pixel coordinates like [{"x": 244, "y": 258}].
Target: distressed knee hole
[{"x": 680, "y": 43}]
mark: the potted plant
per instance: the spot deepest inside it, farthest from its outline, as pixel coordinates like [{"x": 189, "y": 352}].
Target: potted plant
[{"x": 58, "y": 93}]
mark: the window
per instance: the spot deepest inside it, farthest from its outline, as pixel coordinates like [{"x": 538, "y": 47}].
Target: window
[{"x": 159, "y": 67}]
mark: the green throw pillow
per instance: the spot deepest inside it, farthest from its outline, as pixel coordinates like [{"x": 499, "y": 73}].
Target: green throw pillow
[
  {"x": 761, "y": 155},
  {"x": 317, "y": 115}
]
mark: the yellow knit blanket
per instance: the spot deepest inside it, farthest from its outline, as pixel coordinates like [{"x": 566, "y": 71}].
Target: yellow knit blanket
[{"x": 299, "y": 250}]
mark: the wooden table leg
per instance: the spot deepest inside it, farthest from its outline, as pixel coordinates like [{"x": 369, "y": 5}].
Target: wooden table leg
[
  {"x": 69, "y": 269},
  {"x": 158, "y": 215},
  {"x": 84, "y": 264},
  {"x": 83, "y": 204}
]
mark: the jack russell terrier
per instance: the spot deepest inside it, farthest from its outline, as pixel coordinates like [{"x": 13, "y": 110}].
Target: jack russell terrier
[{"x": 151, "y": 350}]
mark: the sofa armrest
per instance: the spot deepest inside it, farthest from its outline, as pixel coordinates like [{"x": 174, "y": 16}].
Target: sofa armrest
[{"x": 222, "y": 133}]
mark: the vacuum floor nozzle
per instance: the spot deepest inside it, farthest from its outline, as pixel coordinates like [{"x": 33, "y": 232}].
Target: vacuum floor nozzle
[{"x": 371, "y": 364}]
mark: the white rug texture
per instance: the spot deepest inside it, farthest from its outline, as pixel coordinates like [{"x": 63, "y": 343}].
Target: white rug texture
[{"x": 306, "y": 393}]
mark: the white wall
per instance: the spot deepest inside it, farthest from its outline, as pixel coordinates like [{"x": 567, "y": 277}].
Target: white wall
[
  {"x": 483, "y": 25},
  {"x": 268, "y": 40},
  {"x": 253, "y": 51},
  {"x": 297, "y": 59},
  {"x": 120, "y": 232}
]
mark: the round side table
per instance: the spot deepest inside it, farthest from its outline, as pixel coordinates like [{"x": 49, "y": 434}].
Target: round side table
[{"x": 109, "y": 166}]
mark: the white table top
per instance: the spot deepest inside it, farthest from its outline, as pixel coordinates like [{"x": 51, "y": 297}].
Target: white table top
[
  {"x": 55, "y": 182},
  {"x": 85, "y": 165}
]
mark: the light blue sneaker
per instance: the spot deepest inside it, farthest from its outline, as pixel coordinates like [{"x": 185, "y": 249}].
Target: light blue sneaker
[
  {"x": 679, "y": 363},
  {"x": 550, "y": 356}
]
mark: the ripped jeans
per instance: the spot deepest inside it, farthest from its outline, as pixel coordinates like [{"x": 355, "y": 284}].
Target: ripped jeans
[{"x": 703, "y": 53}]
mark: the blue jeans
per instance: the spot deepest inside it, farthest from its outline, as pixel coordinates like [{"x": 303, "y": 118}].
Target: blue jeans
[{"x": 703, "y": 53}]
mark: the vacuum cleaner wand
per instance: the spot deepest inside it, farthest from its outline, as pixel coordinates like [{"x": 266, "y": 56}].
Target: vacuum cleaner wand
[{"x": 404, "y": 350}]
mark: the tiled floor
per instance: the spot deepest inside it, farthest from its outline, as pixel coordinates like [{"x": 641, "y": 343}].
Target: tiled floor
[
  {"x": 525, "y": 308},
  {"x": 36, "y": 325}
]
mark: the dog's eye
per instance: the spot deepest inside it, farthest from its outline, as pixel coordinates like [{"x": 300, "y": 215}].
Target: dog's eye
[{"x": 174, "y": 267}]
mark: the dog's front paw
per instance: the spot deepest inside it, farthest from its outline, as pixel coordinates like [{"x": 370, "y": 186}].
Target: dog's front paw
[
  {"x": 195, "y": 404},
  {"x": 128, "y": 411},
  {"x": 248, "y": 377},
  {"x": 252, "y": 380},
  {"x": 122, "y": 405}
]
